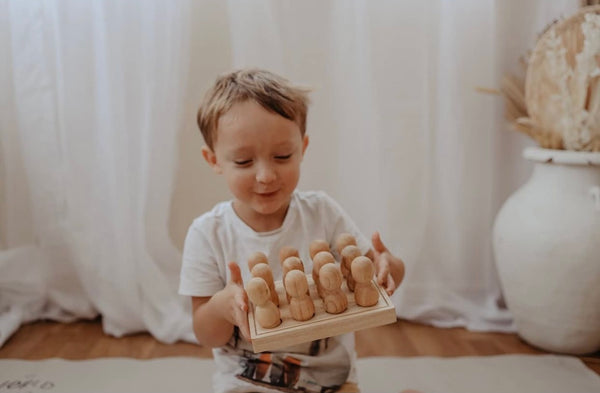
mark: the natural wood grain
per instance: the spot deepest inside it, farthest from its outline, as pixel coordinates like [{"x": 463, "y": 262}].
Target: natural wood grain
[
  {"x": 322, "y": 324},
  {"x": 86, "y": 340}
]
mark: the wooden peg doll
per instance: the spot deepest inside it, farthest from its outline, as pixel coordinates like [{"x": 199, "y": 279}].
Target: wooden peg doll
[
  {"x": 302, "y": 307},
  {"x": 263, "y": 271},
  {"x": 265, "y": 311},
  {"x": 349, "y": 253},
  {"x": 365, "y": 292},
  {"x": 321, "y": 258},
  {"x": 316, "y": 246},
  {"x": 334, "y": 299},
  {"x": 290, "y": 263},
  {"x": 256, "y": 258},
  {"x": 287, "y": 252},
  {"x": 343, "y": 240}
]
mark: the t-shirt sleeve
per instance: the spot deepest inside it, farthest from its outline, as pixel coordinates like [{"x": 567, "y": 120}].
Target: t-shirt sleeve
[
  {"x": 341, "y": 222},
  {"x": 200, "y": 271}
]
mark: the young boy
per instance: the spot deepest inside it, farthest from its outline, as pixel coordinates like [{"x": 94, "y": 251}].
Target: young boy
[{"x": 253, "y": 123}]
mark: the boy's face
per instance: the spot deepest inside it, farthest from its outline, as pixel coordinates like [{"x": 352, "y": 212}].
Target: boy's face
[{"x": 259, "y": 153}]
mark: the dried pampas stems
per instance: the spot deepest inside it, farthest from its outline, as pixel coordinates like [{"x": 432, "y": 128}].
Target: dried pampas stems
[
  {"x": 515, "y": 111},
  {"x": 562, "y": 85}
]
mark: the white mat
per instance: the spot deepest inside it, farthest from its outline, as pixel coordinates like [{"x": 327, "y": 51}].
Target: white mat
[{"x": 506, "y": 373}]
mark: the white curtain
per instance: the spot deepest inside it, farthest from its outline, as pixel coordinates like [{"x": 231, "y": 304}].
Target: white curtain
[{"x": 100, "y": 171}]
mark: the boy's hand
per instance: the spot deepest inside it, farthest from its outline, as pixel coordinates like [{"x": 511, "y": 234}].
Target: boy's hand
[
  {"x": 237, "y": 307},
  {"x": 390, "y": 269}
]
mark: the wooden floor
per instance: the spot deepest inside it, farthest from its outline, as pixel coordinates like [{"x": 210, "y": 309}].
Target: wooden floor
[{"x": 85, "y": 340}]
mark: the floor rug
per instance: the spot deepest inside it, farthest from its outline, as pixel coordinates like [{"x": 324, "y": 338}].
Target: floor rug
[{"x": 489, "y": 374}]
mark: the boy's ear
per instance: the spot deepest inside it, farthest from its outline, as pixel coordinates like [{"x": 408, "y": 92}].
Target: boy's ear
[
  {"x": 304, "y": 144},
  {"x": 211, "y": 158}
]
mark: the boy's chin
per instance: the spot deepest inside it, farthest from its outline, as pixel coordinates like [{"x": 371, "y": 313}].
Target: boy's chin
[{"x": 272, "y": 208}]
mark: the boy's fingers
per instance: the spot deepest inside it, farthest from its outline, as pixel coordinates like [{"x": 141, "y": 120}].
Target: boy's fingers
[
  {"x": 391, "y": 285},
  {"x": 383, "y": 273},
  {"x": 236, "y": 273},
  {"x": 377, "y": 243},
  {"x": 385, "y": 278},
  {"x": 245, "y": 329},
  {"x": 241, "y": 313},
  {"x": 241, "y": 300},
  {"x": 242, "y": 321}
]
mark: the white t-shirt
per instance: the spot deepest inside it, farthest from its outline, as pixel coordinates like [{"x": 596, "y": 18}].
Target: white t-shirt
[{"x": 220, "y": 236}]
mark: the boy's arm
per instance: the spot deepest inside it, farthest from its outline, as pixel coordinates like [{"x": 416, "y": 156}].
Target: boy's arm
[
  {"x": 215, "y": 317},
  {"x": 390, "y": 269}
]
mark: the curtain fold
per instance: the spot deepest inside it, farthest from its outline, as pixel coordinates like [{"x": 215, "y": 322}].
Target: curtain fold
[{"x": 101, "y": 171}]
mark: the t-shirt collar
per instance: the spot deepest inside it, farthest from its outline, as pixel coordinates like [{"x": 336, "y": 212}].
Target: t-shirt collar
[{"x": 289, "y": 218}]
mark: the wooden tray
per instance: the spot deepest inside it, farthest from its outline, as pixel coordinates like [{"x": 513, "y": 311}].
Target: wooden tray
[{"x": 322, "y": 324}]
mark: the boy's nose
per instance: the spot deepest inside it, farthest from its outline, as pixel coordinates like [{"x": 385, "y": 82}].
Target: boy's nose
[{"x": 265, "y": 174}]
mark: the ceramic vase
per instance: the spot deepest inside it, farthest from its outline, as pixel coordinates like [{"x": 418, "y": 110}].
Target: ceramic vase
[{"x": 546, "y": 241}]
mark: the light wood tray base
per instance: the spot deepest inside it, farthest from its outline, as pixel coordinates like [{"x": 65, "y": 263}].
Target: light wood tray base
[{"x": 291, "y": 332}]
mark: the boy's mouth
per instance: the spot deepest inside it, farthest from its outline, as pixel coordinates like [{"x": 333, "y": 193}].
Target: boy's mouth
[{"x": 267, "y": 194}]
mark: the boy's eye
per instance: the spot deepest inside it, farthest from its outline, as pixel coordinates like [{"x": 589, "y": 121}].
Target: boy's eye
[
  {"x": 285, "y": 157},
  {"x": 242, "y": 162}
]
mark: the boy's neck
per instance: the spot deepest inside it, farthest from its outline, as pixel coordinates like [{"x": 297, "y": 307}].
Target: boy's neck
[{"x": 261, "y": 222}]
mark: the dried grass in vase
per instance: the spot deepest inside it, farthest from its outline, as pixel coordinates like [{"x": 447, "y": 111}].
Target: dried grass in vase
[
  {"x": 558, "y": 103},
  {"x": 562, "y": 86},
  {"x": 515, "y": 111}
]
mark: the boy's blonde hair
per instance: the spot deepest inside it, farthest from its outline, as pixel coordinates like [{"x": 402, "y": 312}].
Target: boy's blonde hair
[{"x": 272, "y": 92}]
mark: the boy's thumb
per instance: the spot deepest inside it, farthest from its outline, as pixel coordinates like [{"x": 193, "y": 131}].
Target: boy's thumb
[
  {"x": 236, "y": 273},
  {"x": 377, "y": 243}
]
